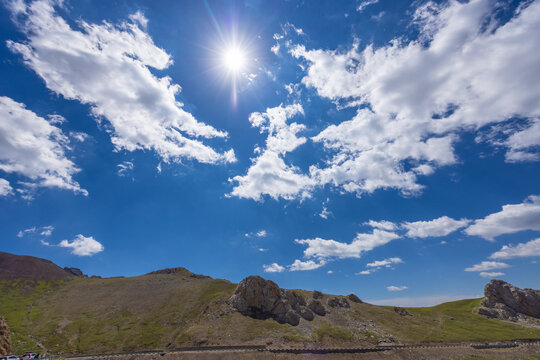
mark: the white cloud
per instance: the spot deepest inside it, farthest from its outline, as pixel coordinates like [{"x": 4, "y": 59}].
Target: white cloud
[
  {"x": 108, "y": 67},
  {"x": 385, "y": 262},
  {"x": 382, "y": 225},
  {"x": 5, "y": 188},
  {"x": 47, "y": 230},
  {"x": 329, "y": 272},
  {"x": 34, "y": 148},
  {"x": 275, "y": 49},
  {"x": 263, "y": 249},
  {"x": 299, "y": 265},
  {"x": 364, "y": 272},
  {"x": 438, "y": 227},
  {"x": 491, "y": 274},
  {"x": 423, "y": 94},
  {"x": 31, "y": 230},
  {"x": 396, "y": 288},
  {"x": 124, "y": 168},
  {"x": 325, "y": 213},
  {"x": 488, "y": 265},
  {"x": 321, "y": 248},
  {"x": 511, "y": 219},
  {"x": 528, "y": 249},
  {"x": 82, "y": 245},
  {"x": 269, "y": 174},
  {"x": 274, "y": 267},
  {"x": 365, "y": 4},
  {"x": 261, "y": 233}
]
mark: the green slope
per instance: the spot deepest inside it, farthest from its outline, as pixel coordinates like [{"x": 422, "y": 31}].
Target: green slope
[{"x": 166, "y": 311}]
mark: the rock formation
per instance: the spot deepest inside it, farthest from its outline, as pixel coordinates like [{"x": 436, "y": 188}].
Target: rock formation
[
  {"x": 317, "y": 307},
  {"x": 401, "y": 311},
  {"x": 354, "y": 298},
  {"x": 75, "y": 271},
  {"x": 338, "y": 302},
  {"x": 263, "y": 299},
  {"x": 5, "y": 338},
  {"x": 317, "y": 294},
  {"x": 507, "y": 302}
]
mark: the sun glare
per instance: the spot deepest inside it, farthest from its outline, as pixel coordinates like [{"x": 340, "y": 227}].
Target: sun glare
[{"x": 234, "y": 59}]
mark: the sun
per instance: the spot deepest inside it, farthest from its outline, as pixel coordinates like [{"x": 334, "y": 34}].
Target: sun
[{"x": 234, "y": 59}]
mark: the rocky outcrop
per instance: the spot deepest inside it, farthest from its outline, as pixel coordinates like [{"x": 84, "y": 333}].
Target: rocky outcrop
[
  {"x": 317, "y": 294},
  {"x": 354, "y": 298},
  {"x": 263, "y": 299},
  {"x": 401, "y": 311},
  {"x": 317, "y": 307},
  {"x": 75, "y": 271},
  {"x": 338, "y": 302},
  {"x": 507, "y": 302},
  {"x": 5, "y": 338}
]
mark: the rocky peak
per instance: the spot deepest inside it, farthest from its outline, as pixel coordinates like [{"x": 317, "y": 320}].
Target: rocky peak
[
  {"x": 507, "y": 302},
  {"x": 75, "y": 271},
  {"x": 5, "y": 338},
  {"x": 263, "y": 299}
]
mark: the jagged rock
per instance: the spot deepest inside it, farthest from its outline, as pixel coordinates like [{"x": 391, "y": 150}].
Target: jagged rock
[
  {"x": 338, "y": 302},
  {"x": 317, "y": 294},
  {"x": 507, "y": 302},
  {"x": 354, "y": 298},
  {"x": 317, "y": 307},
  {"x": 75, "y": 271},
  {"x": 307, "y": 314},
  {"x": 5, "y": 338},
  {"x": 263, "y": 299},
  {"x": 401, "y": 311}
]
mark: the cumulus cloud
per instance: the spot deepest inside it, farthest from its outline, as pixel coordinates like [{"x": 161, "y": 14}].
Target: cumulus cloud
[
  {"x": 438, "y": 227},
  {"x": 107, "y": 66},
  {"x": 491, "y": 274},
  {"x": 82, "y": 245},
  {"x": 385, "y": 262},
  {"x": 5, "y": 188},
  {"x": 364, "y": 272},
  {"x": 396, "y": 288},
  {"x": 299, "y": 265},
  {"x": 382, "y": 225},
  {"x": 466, "y": 70},
  {"x": 488, "y": 265},
  {"x": 528, "y": 249},
  {"x": 321, "y": 248},
  {"x": 33, "y": 147},
  {"x": 274, "y": 267},
  {"x": 511, "y": 219},
  {"x": 269, "y": 174}
]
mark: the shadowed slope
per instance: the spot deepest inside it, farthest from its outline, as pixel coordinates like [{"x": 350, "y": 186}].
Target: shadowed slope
[{"x": 29, "y": 267}]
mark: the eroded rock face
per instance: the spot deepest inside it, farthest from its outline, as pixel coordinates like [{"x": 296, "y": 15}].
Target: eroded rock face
[
  {"x": 401, "y": 311},
  {"x": 354, "y": 298},
  {"x": 507, "y": 302},
  {"x": 317, "y": 307},
  {"x": 317, "y": 294},
  {"x": 75, "y": 271},
  {"x": 338, "y": 302},
  {"x": 5, "y": 338},
  {"x": 263, "y": 299}
]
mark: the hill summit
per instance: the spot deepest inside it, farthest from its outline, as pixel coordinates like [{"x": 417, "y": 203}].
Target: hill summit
[{"x": 30, "y": 268}]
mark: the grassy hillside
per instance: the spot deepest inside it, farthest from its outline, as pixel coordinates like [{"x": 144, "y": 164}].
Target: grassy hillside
[{"x": 166, "y": 311}]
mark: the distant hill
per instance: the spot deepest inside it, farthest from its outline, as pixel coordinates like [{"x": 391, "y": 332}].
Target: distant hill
[
  {"x": 173, "y": 307},
  {"x": 29, "y": 267}
]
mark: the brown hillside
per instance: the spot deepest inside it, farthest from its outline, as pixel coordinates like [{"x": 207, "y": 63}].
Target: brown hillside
[
  {"x": 5, "y": 338},
  {"x": 29, "y": 267}
]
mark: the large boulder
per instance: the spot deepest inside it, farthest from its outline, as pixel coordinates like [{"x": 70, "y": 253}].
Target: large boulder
[
  {"x": 263, "y": 299},
  {"x": 507, "y": 302},
  {"x": 354, "y": 298},
  {"x": 317, "y": 307},
  {"x": 5, "y": 338},
  {"x": 338, "y": 302}
]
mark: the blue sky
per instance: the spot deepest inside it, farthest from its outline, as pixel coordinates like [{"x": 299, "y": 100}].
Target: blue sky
[{"x": 384, "y": 148}]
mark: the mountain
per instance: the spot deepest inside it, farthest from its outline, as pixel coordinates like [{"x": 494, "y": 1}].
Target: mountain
[
  {"x": 173, "y": 307},
  {"x": 29, "y": 267}
]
